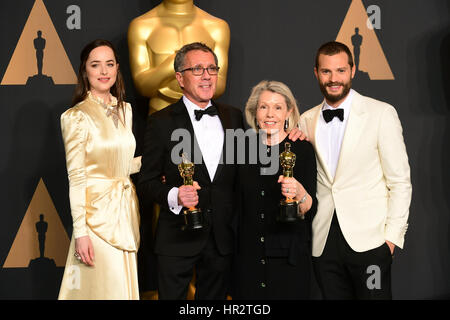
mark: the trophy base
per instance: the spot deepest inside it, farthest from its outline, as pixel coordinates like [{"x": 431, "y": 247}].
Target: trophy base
[
  {"x": 288, "y": 211},
  {"x": 193, "y": 220}
]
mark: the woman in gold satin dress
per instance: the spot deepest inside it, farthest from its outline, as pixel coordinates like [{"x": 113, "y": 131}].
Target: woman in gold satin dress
[{"x": 100, "y": 146}]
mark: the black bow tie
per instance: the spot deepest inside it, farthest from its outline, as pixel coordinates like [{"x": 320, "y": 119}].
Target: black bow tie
[
  {"x": 212, "y": 111},
  {"x": 329, "y": 114}
]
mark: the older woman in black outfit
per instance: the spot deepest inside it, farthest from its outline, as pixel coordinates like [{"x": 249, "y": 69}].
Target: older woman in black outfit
[{"x": 273, "y": 258}]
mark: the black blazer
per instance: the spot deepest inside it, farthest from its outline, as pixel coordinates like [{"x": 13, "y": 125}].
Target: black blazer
[
  {"x": 216, "y": 198},
  {"x": 260, "y": 195}
]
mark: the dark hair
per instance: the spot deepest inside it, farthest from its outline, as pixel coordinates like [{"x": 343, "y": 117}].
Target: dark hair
[
  {"x": 117, "y": 90},
  {"x": 178, "y": 63},
  {"x": 331, "y": 48}
]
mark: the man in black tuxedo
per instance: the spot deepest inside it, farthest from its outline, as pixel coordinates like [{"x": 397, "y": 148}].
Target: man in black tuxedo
[{"x": 209, "y": 249}]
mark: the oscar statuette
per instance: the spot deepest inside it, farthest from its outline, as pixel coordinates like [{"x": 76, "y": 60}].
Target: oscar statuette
[
  {"x": 193, "y": 217},
  {"x": 288, "y": 207}
]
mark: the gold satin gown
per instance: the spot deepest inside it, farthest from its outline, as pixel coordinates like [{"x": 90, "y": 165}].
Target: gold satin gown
[{"x": 103, "y": 201}]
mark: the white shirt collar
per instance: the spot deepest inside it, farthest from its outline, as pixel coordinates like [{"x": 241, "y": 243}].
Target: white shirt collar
[
  {"x": 346, "y": 104},
  {"x": 190, "y": 106}
]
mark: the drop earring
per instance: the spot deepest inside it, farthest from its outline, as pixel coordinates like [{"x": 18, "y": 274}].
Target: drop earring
[{"x": 286, "y": 124}]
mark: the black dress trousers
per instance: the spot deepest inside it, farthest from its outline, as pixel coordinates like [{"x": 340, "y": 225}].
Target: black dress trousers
[{"x": 343, "y": 273}]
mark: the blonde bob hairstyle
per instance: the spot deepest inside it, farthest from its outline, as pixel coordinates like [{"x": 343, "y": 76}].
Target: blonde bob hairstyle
[{"x": 276, "y": 87}]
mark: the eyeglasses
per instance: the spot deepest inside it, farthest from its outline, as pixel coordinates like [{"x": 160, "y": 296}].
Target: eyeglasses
[{"x": 198, "y": 71}]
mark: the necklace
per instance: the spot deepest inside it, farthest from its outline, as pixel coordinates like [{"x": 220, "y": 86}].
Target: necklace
[{"x": 112, "y": 110}]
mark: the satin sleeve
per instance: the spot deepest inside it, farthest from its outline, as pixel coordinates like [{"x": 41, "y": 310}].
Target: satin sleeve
[
  {"x": 75, "y": 135},
  {"x": 136, "y": 165}
]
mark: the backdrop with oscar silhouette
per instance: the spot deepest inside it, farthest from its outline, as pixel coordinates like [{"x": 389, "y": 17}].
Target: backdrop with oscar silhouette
[{"x": 401, "y": 50}]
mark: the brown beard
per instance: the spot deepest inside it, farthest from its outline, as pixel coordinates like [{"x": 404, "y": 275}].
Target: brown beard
[{"x": 335, "y": 98}]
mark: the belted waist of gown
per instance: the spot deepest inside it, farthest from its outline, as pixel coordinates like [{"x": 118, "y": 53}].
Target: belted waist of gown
[{"x": 112, "y": 211}]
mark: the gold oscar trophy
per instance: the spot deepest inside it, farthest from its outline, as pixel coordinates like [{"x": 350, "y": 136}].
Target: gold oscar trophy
[
  {"x": 154, "y": 38},
  {"x": 288, "y": 207},
  {"x": 193, "y": 217}
]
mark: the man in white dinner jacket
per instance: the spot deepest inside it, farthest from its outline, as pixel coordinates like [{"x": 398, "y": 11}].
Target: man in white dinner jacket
[{"x": 363, "y": 183}]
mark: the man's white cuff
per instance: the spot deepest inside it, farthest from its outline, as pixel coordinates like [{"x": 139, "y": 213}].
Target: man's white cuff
[{"x": 172, "y": 200}]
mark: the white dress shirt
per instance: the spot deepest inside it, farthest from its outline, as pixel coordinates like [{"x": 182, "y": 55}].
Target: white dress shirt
[
  {"x": 210, "y": 136},
  {"x": 329, "y": 135}
]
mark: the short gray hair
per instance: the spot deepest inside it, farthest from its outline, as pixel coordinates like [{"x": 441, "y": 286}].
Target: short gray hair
[
  {"x": 178, "y": 63},
  {"x": 276, "y": 87}
]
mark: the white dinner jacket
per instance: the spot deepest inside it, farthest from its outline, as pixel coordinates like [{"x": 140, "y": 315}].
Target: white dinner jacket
[{"x": 371, "y": 190}]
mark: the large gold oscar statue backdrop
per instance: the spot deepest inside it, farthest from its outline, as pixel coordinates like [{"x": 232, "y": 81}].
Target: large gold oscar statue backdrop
[{"x": 154, "y": 38}]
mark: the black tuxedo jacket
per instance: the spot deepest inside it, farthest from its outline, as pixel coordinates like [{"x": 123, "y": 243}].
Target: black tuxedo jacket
[{"x": 216, "y": 198}]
